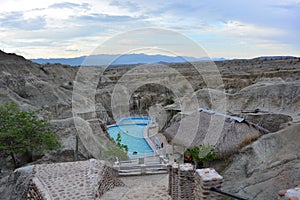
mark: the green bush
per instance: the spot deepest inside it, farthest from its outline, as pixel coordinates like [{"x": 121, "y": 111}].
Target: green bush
[
  {"x": 202, "y": 154},
  {"x": 207, "y": 153}
]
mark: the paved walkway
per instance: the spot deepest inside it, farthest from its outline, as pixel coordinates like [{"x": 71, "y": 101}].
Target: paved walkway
[{"x": 150, "y": 187}]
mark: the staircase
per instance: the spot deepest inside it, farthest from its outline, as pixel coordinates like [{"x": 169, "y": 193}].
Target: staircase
[{"x": 142, "y": 166}]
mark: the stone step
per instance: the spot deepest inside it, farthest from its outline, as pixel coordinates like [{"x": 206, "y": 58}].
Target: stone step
[{"x": 139, "y": 173}]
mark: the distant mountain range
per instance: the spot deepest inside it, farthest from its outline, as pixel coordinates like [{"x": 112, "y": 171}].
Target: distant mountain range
[
  {"x": 107, "y": 59},
  {"x": 275, "y": 57}
]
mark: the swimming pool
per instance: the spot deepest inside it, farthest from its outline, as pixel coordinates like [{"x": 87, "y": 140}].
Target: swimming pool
[
  {"x": 134, "y": 121},
  {"x": 132, "y": 135}
]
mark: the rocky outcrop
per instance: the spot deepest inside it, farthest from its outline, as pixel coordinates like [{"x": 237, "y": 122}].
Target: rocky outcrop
[
  {"x": 271, "y": 122},
  {"x": 32, "y": 86},
  {"x": 268, "y": 165},
  {"x": 15, "y": 186},
  {"x": 270, "y": 103},
  {"x": 273, "y": 97},
  {"x": 226, "y": 135}
]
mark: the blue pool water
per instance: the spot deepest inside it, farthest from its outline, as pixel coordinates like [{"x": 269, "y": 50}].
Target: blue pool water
[{"x": 132, "y": 135}]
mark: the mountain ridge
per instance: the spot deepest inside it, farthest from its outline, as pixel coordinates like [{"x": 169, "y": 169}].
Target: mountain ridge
[
  {"x": 131, "y": 59},
  {"x": 118, "y": 59}
]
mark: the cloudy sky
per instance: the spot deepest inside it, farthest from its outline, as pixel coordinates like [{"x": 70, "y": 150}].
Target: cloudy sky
[{"x": 231, "y": 28}]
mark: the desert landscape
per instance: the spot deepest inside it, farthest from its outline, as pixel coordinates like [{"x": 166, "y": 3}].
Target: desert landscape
[
  {"x": 264, "y": 92},
  {"x": 149, "y": 100}
]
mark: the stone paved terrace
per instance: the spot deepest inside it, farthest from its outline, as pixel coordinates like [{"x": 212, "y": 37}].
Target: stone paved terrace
[
  {"x": 72, "y": 180},
  {"x": 150, "y": 187}
]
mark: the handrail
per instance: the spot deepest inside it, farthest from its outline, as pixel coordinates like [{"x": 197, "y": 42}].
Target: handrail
[{"x": 226, "y": 193}]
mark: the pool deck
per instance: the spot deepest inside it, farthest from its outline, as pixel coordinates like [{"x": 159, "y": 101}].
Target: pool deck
[{"x": 152, "y": 129}]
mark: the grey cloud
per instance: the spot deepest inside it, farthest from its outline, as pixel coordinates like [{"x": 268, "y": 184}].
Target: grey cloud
[
  {"x": 27, "y": 43},
  {"x": 105, "y": 18},
  {"x": 16, "y": 20},
  {"x": 69, "y": 5},
  {"x": 126, "y": 4},
  {"x": 263, "y": 13},
  {"x": 270, "y": 14},
  {"x": 72, "y": 50}
]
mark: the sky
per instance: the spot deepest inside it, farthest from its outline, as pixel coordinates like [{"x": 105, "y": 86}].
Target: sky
[{"x": 229, "y": 29}]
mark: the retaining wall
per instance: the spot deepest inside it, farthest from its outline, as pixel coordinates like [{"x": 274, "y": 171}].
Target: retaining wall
[{"x": 187, "y": 184}]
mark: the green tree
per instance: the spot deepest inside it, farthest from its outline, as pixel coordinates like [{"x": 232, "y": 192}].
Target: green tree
[
  {"x": 120, "y": 145},
  {"x": 202, "y": 154},
  {"x": 22, "y": 131}
]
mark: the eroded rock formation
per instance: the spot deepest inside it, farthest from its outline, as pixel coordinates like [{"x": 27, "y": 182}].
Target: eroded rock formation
[{"x": 267, "y": 166}]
